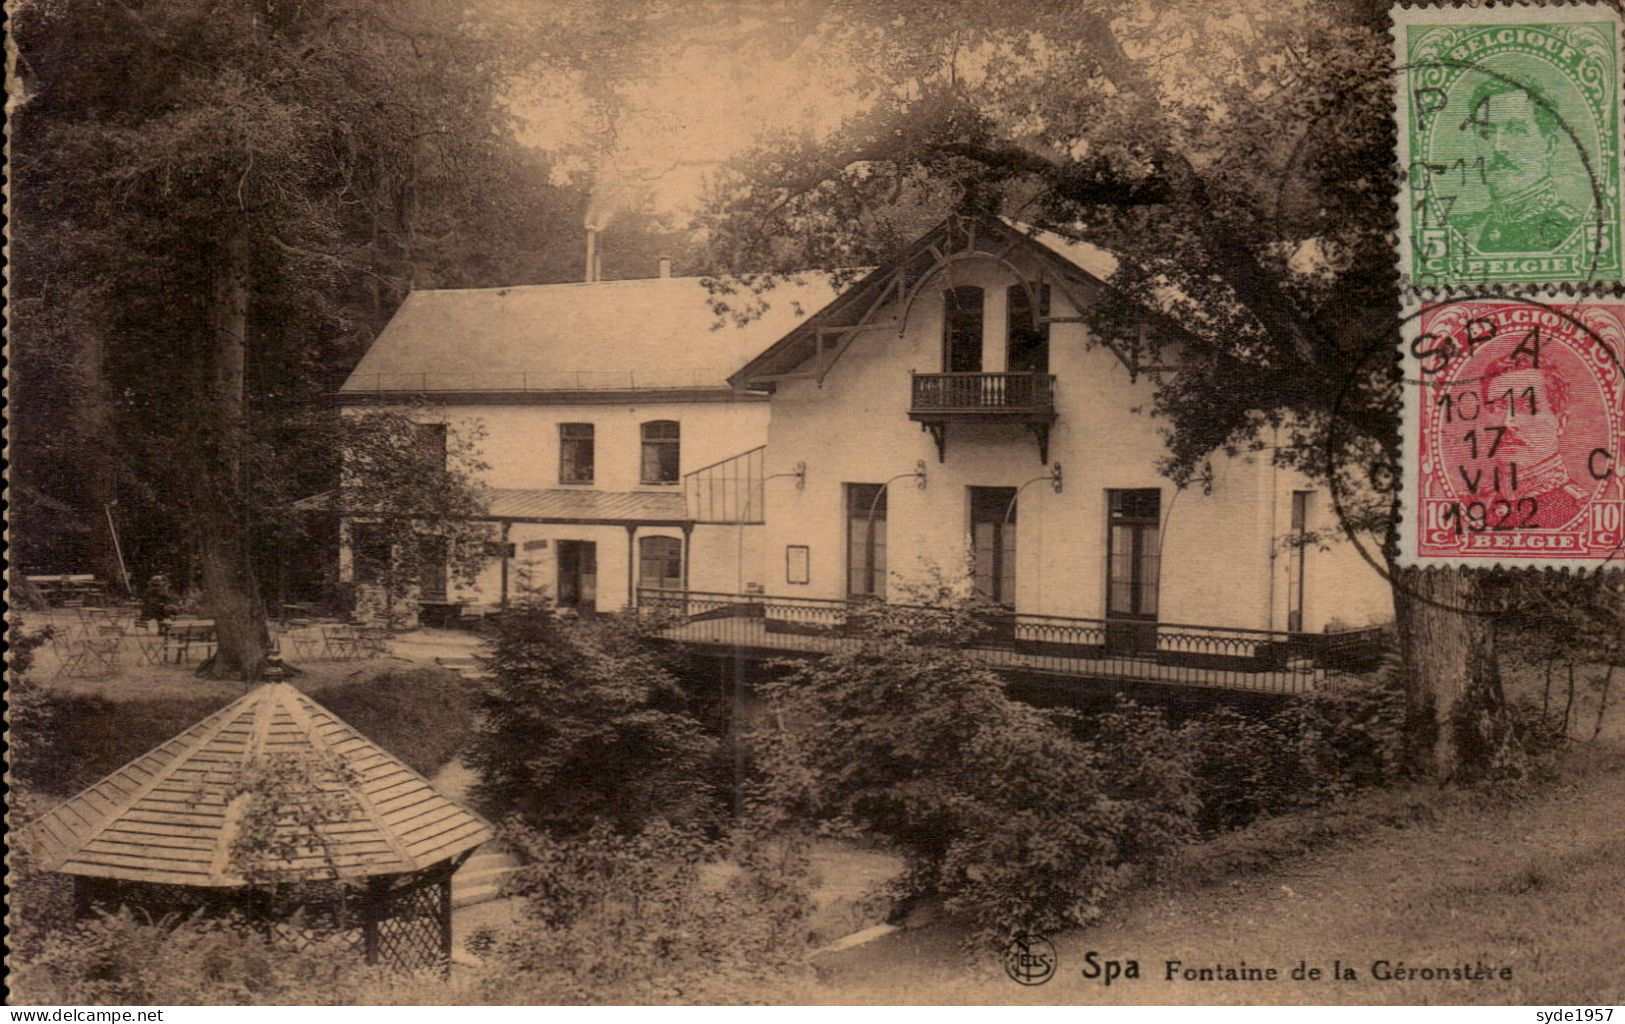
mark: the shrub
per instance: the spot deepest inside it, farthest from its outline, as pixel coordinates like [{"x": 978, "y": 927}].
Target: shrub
[
  {"x": 122, "y": 960},
  {"x": 584, "y": 721},
  {"x": 1314, "y": 749},
  {"x": 996, "y": 807},
  {"x": 652, "y": 916},
  {"x": 1150, "y": 770}
]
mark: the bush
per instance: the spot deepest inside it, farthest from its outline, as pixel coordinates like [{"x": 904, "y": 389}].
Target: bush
[
  {"x": 584, "y": 721},
  {"x": 122, "y": 960},
  {"x": 997, "y": 808},
  {"x": 651, "y": 917},
  {"x": 1151, "y": 771},
  {"x": 1315, "y": 749}
]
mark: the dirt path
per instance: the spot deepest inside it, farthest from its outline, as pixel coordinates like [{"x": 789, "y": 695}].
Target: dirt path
[{"x": 1538, "y": 887}]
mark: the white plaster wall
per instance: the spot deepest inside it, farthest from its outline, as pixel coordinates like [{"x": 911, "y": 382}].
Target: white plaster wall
[
  {"x": 1216, "y": 567},
  {"x": 521, "y": 443}
]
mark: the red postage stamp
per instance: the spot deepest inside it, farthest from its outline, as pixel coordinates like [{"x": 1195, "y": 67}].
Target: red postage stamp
[{"x": 1513, "y": 434}]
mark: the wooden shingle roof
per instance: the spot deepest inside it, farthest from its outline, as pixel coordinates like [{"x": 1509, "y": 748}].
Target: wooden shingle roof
[{"x": 175, "y": 814}]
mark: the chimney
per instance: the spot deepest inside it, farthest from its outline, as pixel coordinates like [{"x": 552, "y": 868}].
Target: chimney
[
  {"x": 591, "y": 273},
  {"x": 665, "y": 266}
]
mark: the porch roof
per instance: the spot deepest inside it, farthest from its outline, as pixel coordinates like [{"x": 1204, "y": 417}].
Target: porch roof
[
  {"x": 552, "y": 505},
  {"x": 560, "y": 504},
  {"x": 175, "y": 814}
]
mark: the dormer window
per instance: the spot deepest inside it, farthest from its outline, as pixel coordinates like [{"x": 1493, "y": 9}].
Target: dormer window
[
  {"x": 962, "y": 330},
  {"x": 1026, "y": 337}
]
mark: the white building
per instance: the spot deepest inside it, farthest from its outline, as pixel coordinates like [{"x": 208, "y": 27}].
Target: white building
[
  {"x": 926, "y": 422},
  {"x": 594, "y": 399}
]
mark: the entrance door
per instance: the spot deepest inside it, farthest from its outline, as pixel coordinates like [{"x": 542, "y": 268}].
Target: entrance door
[
  {"x": 962, "y": 330},
  {"x": 1133, "y": 559},
  {"x": 578, "y": 576}
]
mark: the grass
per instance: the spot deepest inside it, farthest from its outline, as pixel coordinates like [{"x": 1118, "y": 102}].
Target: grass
[
  {"x": 421, "y": 715},
  {"x": 1533, "y": 880}
]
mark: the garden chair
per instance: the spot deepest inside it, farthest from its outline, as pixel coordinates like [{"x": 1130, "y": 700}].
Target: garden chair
[
  {"x": 339, "y": 642},
  {"x": 71, "y": 657},
  {"x": 370, "y": 642},
  {"x": 102, "y": 654},
  {"x": 149, "y": 647}
]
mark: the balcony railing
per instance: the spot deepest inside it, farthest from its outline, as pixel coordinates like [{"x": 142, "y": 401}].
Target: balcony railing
[
  {"x": 987, "y": 393},
  {"x": 1168, "y": 654}
]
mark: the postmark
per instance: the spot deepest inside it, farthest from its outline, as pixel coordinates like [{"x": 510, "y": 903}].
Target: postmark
[
  {"x": 1509, "y": 145},
  {"x": 1514, "y": 434}
]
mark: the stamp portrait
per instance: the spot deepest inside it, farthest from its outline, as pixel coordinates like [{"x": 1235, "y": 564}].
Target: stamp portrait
[
  {"x": 1509, "y": 125},
  {"x": 1515, "y": 412}
]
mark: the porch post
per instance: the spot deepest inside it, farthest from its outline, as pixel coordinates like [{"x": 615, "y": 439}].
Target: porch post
[
  {"x": 631, "y": 560},
  {"x": 503, "y": 545},
  {"x": 688, "y": 531}
]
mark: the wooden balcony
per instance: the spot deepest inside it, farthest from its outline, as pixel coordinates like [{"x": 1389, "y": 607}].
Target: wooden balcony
[{"x": 936, "y": 399}]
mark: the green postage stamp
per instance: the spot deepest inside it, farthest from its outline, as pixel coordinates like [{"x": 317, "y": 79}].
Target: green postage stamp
[{"x": 1509, "y": 145}]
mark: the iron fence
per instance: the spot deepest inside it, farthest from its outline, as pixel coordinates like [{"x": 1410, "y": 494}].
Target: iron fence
[{"x": 1174, "y": 654}]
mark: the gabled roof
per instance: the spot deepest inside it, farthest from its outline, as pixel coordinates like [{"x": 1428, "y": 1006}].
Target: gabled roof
[
  {"x": 640, "y": 335},
  {"x": 1076, "y": 265},
  {"x": 170, "y": 816}
]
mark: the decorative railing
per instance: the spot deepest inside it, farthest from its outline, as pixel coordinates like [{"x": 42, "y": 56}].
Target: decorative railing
[
  {"x": 983, "y": 392},
  {"x": 1171, "y": 654}
]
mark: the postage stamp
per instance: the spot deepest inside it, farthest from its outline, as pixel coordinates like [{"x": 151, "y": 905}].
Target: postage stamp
[
  {"x": 1509, "y": 132},
  {"x": 1513, "y": 434}
]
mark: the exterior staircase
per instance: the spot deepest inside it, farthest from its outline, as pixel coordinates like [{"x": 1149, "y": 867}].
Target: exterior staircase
[{"x": 481, "y": 876}]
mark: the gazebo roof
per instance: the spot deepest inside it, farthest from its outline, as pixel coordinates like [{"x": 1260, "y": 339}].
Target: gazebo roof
[{"x": 171, "y": 816}]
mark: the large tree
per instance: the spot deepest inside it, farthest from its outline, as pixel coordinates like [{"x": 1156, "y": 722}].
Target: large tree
[
  {"x": 217, "y": 203},
  {"x": 1237, "y": 159}
]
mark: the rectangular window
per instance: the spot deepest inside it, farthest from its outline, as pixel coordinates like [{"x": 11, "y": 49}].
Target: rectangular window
[
  {"x": 1133, "y": 553},
  {"x": 962, "y": 330},
  {"x": 661, "y": 452},
  {"x": 866, "y": 540},
  {"x": 1026, "y": 339},
  {"x": 661, "y": 559},
  {"x": 575, "y": 453},
  {"x": 993, "y": 542}
]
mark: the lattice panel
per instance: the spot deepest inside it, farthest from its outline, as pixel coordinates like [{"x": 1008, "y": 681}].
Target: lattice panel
[{"x": 411, "y": 927}]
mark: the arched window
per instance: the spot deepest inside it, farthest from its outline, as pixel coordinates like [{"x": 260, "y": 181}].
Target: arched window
[
  {"x": 661, "y": 561},
  {"x": 962, "y": 330},
  {"x": 662, "y": 452},
  {"x": 1026, "y": 340}
]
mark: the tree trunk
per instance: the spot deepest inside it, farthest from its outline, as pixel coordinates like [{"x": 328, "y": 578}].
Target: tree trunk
[
  {"x": 1455, "y": 710},
  {"x": 221, "y": 514}
]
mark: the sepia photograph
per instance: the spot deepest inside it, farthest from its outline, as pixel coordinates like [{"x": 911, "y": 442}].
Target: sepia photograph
[{"x": 814, "y": 502}]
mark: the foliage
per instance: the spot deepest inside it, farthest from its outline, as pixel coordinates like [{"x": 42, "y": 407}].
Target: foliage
[
  {"x": 123, "y": 960},
  {"x": 1312, "y": 751},
  {"x": 651, "y": 916},
  {"x": 410, "y": 479},
  {"x": 997, "y": 808},
  {"x": 1150, "y": 771},
  {"x": 286, "y": 802},
  {"x": 582, "y": 721}
]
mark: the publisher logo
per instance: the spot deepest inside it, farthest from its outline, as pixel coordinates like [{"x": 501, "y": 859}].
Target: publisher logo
[{"x": 1029, "y": 960}]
